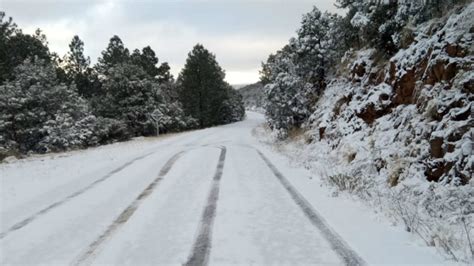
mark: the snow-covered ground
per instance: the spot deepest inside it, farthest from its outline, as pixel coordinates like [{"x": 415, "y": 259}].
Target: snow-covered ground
[{"x": 128, "y": 203}]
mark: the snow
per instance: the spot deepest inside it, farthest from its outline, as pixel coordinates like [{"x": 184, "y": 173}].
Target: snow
[
  {"x": 32, "y": 183},
  {"x": 167, "y": 219},
  {"x": 454, "y": 30},
  {"x": 359, "y": 20},
  {"x": 257, "y": 222},
  {"x": 362, "y": 160},
  {"x": 245, "y": 233},
  {"x": 370, "y": 234}
]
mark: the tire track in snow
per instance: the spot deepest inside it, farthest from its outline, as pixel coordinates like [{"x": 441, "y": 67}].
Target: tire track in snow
[
  {"x": 346, "y": 253},
  {"x": 202, "y": 245},
  {"x": 93, "y": 248},
  {"x": 58, "y": 203}
]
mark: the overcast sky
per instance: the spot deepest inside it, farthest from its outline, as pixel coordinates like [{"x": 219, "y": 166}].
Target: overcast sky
[{"x": 242, "y": 33}]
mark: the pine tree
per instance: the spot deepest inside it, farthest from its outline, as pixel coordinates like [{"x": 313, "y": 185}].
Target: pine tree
[
  {"x": 114, "y": 54},
  {"x": 147, "y": 59},
  {"x": 15, "y": 47},
  {"x": 164, "y": 74},
  {"x": 287, "y": 102},
  {"x": 296, "y": 75},
  {"x": 202, "y": 87},
  {"x": 173, "y": 116},
  {"x": 38, "y": 113},
  {"x": 232, "y": 109},
  {"x": 7, "y": 29},
  {"x": 131, "y": 96},
  {"x": 76, "y": 62},
  {"x": 78, "y": 70}
]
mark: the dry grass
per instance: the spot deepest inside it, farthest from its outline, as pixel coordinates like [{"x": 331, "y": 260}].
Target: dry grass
[{"x": 296, "y": 134}]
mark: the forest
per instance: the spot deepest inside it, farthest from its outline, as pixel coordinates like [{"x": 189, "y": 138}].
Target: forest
[{"x": 54, "y": 103}]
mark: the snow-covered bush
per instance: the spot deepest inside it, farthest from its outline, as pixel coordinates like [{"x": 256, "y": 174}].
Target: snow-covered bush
[
  {"x": 296, "y": 75},
  {"x": 173, "y": 118},
  {"x": 40, "y": 114},
  {"x": 129, "y": 95},
  {"x": 233, "y": 109},
  {"x": 36, "y": 108},
  {"x": 286, "y": 103},
  {"x": 108, "y": 130},
  {"x": 314, "y": 47}
]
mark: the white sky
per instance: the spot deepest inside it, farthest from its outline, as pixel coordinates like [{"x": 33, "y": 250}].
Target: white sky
[{"x": 242, "y": 33}]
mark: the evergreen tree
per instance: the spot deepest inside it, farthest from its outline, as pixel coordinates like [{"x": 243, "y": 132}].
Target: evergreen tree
[
  {"x": 202, "y": 87},
  {"x": 15, "y": 47},
  {"x": 380, "y": 31},
  {"x": 76, "y": 61},
  {"x": 164, "y": 74},
  {"x": 314, "y": 48},
  {"x": 147, "y": 60},
  {"x": 233, "y": 109},
  {"x": 174, "y": 118},
  {"x": 114, "y": 54},
  {"x": 296, "y": 75},
  {"x": 266, "y": 71},
  {"x": 35, "y": 108},
  {"x": 343, "y": 36},
  {"x": 7, "y": 30},
  {"x": 78, "y": 70},
  {"x": 287, "y": 105},
  {"x": 131, "y": 96}
]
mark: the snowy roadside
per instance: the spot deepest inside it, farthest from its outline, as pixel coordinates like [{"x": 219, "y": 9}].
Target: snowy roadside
[
  {"x": 368, "y": 230},
  {"x": 394, "y": 135}
]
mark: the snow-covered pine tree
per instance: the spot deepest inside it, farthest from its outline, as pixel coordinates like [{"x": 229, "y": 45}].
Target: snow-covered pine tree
[
  {"x": 147, "y": 59},
  {"x": 314, "y": 48},
  {"x": 164, "y": 74},
  {"x": 78, "y": 71},
  {"x": 173, "y": 116},
  {"x": 38, "y": 113},
  {"x": 75, "y": 61},
  {"x": 129, "y": 95},
  {"x": 115, "y": 53},
  {"x": 286, "y": 106},
  {"x": 233, "y": 109},
  {"x": 15, "y": 47},
  {"x": 296, "y": 75}
]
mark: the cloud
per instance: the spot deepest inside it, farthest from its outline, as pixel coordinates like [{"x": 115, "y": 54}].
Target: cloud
[{"x": 241, "y": 33}]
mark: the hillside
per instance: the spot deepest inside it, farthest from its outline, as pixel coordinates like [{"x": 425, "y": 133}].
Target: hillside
[
  {"x": 395, "y": 131},
  {"x": 253, "y": 96}
]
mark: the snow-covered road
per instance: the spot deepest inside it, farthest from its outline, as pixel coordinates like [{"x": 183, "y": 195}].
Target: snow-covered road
[{"x": 213, "y": 196}]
